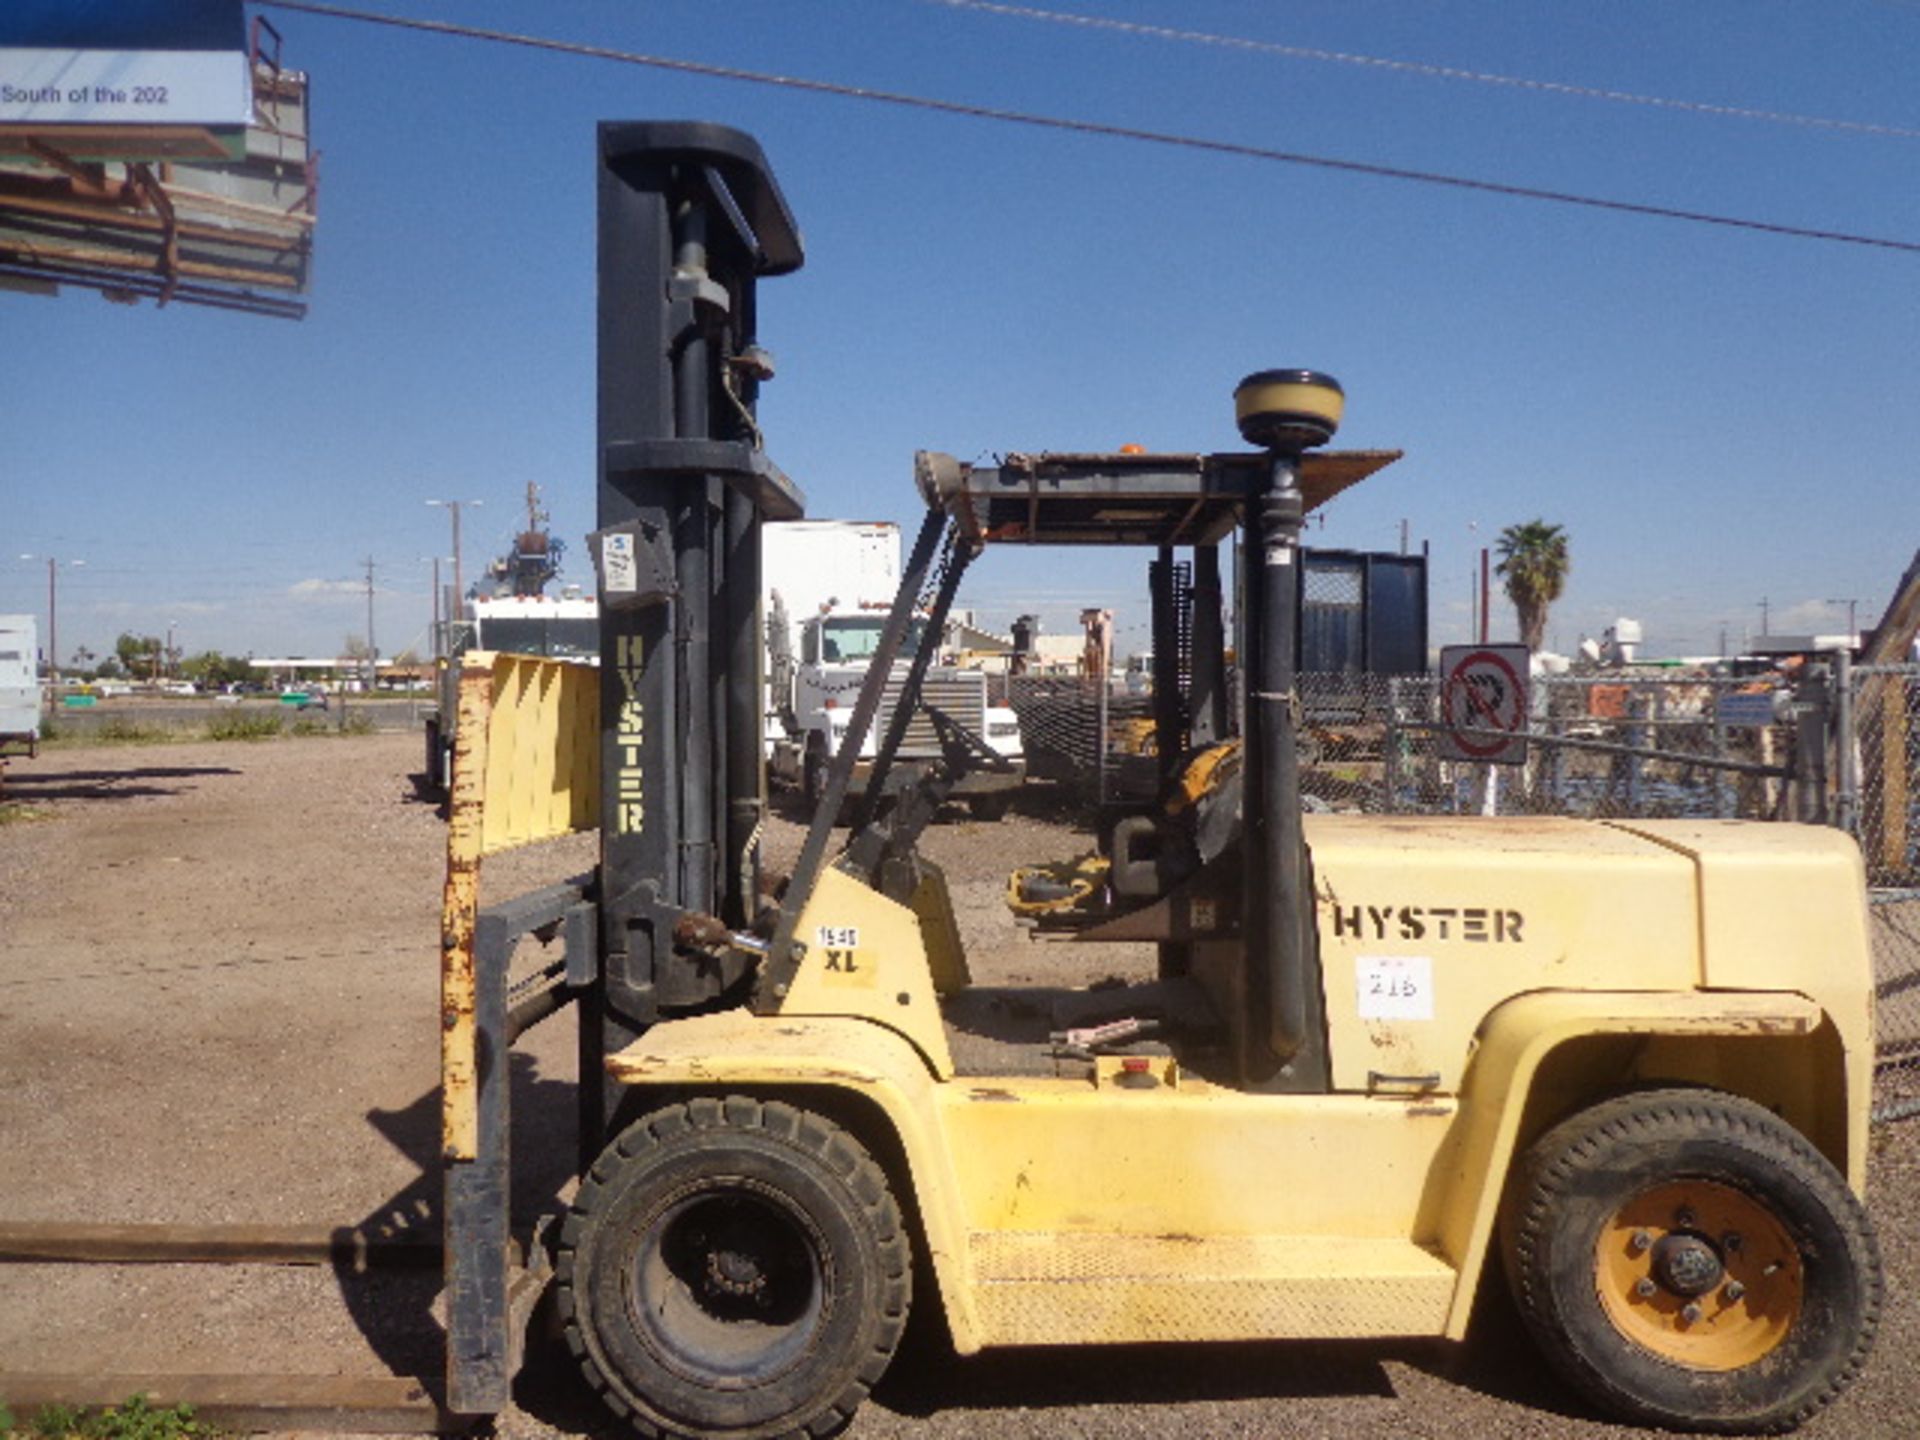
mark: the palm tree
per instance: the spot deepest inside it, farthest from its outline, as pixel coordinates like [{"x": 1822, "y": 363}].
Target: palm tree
[{"x": 1534, "y": 564}]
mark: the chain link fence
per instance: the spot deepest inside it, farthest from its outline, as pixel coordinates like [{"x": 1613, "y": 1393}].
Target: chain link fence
[
  {"x": 1896, "y": 969},
  {"x": 1832, "y": 744},
  {"x": 1075, "y": 734},
  {"x": 1876, "y": 780},
  {"x": 1877, "y": 769},
  {"x": 1601, "y": 747}
]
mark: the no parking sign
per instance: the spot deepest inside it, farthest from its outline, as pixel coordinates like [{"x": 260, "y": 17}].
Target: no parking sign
[{"x": 1483, "y": 703}]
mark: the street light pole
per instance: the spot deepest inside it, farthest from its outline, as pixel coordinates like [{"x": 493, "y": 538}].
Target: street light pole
[
  {"x": 1473, "y": 584},
  {"x": 1486, "y": 594}
]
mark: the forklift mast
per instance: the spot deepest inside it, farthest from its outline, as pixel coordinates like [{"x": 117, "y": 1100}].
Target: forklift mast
[{"x": 689, "y": 218}]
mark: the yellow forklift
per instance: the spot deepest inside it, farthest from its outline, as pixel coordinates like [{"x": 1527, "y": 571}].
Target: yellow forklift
[{"x": 1628, "y": 1064}]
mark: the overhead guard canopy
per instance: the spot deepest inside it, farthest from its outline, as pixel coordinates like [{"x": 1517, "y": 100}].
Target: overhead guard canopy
[{"x": 1122, "y": 499}]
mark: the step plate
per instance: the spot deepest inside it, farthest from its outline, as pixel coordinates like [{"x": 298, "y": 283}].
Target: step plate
[{"x": 1036, "y": 1288}]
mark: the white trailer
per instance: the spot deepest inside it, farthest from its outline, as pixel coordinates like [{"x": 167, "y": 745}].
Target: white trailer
[
  {"x": 826, "y": 586},
  {"x": 20, "y": 698}
]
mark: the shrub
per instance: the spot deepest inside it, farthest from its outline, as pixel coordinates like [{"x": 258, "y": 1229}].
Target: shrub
[
  {"x": 123, "y": 731},
  {"x": 234, "y": 725},
  {"x": 136, "y": 1419}
]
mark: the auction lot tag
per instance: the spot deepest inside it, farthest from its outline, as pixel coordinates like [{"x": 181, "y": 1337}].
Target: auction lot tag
[
  {"x": 618, "y": 572},
  {"x": 1394, "y": 987}
]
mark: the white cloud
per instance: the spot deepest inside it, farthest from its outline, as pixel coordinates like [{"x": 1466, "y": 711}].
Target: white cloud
[
  {"x": 1808, "y": 617},
  {"x": 145, "y": 610},
  {"x": 325, "y": 589}
]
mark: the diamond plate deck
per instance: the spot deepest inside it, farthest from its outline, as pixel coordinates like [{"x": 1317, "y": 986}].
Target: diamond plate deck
[{"x": 1044, "y": 1288}]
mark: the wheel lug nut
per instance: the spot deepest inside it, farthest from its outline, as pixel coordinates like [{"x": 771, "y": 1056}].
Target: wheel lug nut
[
  {"x": 1644, "y": 1288},
  {"x": 1642, "y": 1240},
  {"x": 1690, "y": 1314},
  {"x": 1683, "y": 1217},
  {"x": 1735, "y": 1290},
  {"x": 1730, "y": 1242}
]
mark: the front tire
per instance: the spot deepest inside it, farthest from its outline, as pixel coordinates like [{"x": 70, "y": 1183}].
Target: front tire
[
  {"x": 814, "y": 765},
  {"x": 1688, "y": 1260},
  {"x": 734, "y": 1268}
]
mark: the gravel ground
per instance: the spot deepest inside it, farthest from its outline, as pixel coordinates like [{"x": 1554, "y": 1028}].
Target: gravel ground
[{"x": 217, "y": 985}]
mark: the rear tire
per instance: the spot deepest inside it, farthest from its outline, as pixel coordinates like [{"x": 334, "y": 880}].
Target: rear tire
[
  {"x": 1688, "y": 1260},
  {"x": 735, "y": 1269}
]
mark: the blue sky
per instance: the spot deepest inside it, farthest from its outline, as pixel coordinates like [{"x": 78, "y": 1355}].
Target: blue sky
[{"x": 1716, "y": 416}]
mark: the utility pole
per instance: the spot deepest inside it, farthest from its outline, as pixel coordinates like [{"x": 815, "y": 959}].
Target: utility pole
[
  {"x": 1766, "y": 625},
  {"x": 373, "y": 653},
  {"x": 1853, "y": 607},
  {"x": 435, "y": 635},
  {"x": 53, "y": 619},
  {"x": 453, "y": 506},
  {"x": 53, "y": 632}
]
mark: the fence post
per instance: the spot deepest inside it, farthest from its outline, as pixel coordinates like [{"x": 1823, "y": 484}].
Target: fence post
[
  {"x": 1100, "y": 744},
  {"x": 1551, "y": 765},
  {"x": 1431, "y": 770},
  {"x": 1390, "y": 761},
  {"x": 1810, "y": 746},
  {"x": 1723, "y": 805},
  {"x": 1639, "y": 710}
]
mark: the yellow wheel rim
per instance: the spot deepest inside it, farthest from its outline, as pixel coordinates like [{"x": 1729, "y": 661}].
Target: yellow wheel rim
[{"x": 1700, "y": 1274}]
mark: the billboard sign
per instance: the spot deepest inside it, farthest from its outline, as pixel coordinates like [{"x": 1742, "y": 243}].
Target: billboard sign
[{"x": 124, "y": 62}]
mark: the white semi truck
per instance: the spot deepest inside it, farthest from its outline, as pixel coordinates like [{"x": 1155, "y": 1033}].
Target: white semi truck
[
  {"x": 826, "y": 586},
  {"x": 563, "y": 627}
]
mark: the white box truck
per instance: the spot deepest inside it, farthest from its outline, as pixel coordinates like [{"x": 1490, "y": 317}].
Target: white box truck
[
  {"x": 19, "y": 685},
  {"x": 826, "y": 586}
]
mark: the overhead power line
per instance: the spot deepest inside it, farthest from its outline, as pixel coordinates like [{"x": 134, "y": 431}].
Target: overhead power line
[
  {"x": 1091, "y": 127},
  {"x": 1417, "y": 67}
]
